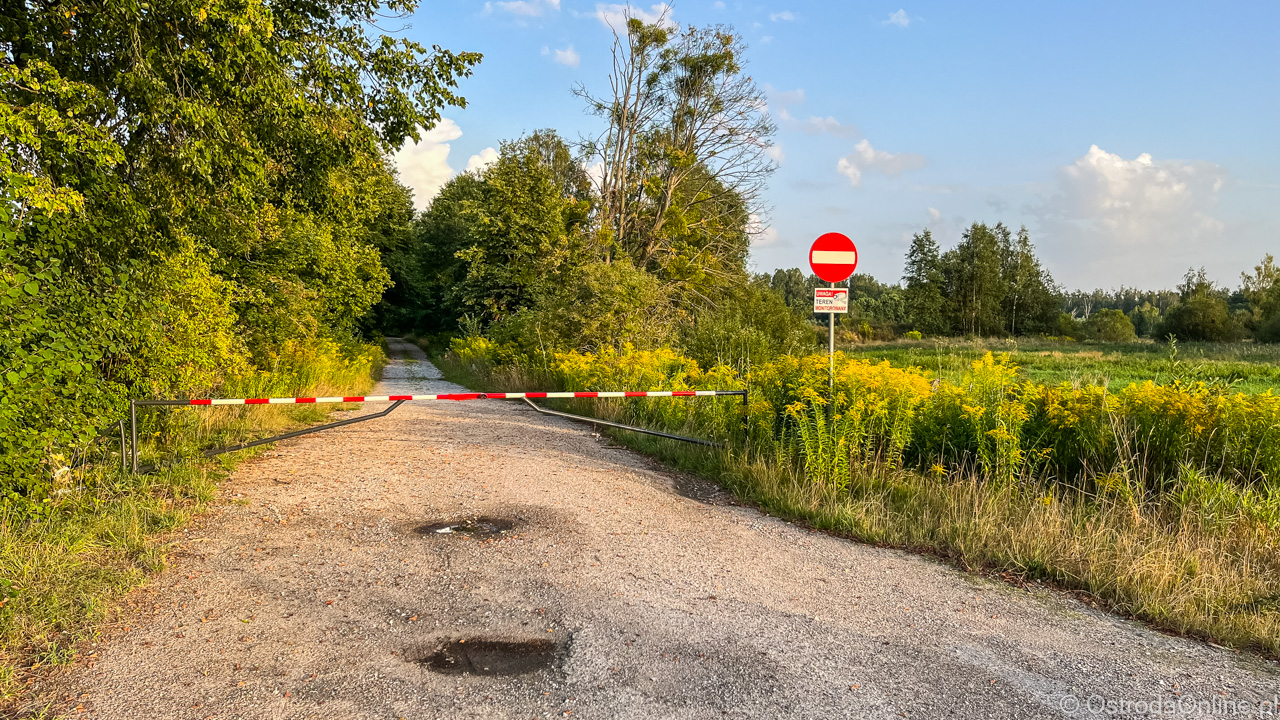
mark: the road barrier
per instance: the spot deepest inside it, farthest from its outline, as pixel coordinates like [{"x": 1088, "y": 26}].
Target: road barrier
[{"x": 398, "y": 400}]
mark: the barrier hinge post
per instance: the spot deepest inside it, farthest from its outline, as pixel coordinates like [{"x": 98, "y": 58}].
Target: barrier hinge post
[
  {"x": 124, "y": 459},
  {"x": 133, "y": 428}
]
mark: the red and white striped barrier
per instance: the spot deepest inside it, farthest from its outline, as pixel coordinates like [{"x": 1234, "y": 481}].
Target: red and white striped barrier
[{"x": 453, "y": 396}]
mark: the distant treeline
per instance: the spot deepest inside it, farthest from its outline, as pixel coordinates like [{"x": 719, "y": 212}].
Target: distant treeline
[{"x": 993, "y": 285}]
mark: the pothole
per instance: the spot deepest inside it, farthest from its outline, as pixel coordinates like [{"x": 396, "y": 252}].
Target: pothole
[
  {"x": 475, "y": 526},
  {"x": 491, "y": 656}
]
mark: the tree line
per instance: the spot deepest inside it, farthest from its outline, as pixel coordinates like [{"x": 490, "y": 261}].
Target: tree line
[{"x": 992, "y": 284}]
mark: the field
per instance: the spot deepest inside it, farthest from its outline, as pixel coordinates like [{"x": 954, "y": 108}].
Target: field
[{"x": 1242, "y": 367}]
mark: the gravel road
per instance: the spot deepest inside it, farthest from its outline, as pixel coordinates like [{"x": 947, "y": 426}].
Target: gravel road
[{"x": 618, "y": 590}]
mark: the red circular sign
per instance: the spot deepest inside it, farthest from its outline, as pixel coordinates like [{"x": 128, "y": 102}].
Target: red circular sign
[{"x": 833, "y": 257}]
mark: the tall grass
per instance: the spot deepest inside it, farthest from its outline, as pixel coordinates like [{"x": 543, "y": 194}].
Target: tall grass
[
  {"x": 65, "y": 561},
  {"x": 1157, "y": 502}
]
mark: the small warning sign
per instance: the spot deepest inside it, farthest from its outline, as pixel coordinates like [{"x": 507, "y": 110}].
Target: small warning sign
[{"x": 831, "y": 300}]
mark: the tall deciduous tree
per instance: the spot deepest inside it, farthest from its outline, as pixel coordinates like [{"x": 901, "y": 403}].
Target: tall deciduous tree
[
  {"x": 923, "y": 277},
  {"x": 1030, "y": 301},
  {"x": 683, "y": 157},
  {"x": 974, "y": 286}
]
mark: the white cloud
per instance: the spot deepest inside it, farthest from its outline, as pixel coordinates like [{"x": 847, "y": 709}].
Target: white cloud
[
  {"x": 766, "y": 39},
  {"x": 484, "y": 159},
  {"x": 524, "y": 8},
  {"x": 1119, "y": 210},
  {"x": 783, "y": 98},
  {"x": 568, "y": 56},
  {"x": 934, "y": 215},
  {"x": 899, "y": 18},
  {"x": 780, "y": 101},
  {"x": 761, "y": 235},
  {"x": 424, "y": 165},
  {"x": 595, "y": 171},
  {"x": 865, "y": 158},
  {"x": 614, "y": 16},
  {"x": 827, "y": 125},
  {"x": 718, "y": 5},
  {"x": 775, "y": 153},
  {"x": 785, "y": 15}
]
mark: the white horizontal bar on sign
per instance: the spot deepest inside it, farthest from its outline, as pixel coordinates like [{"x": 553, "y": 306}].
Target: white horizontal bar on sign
[
  {"x": 238, "y": 401},
  {"x": 834, "y": 257}
]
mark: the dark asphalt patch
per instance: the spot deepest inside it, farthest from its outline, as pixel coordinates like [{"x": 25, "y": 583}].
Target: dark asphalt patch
[
  {"x": 491, "y": 656},
  {"x": 471, "y": 527}
]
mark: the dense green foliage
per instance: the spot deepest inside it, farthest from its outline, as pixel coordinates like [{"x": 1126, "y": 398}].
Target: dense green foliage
[
  {"x": 534, "y": 255},
  {"x": 190, "y": 193}
]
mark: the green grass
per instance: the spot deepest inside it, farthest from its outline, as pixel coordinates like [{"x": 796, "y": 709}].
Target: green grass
[{"x": 1246, "y": 367}]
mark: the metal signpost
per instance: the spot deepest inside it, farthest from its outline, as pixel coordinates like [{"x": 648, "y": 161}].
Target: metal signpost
[{"x": 833, "y": 258}]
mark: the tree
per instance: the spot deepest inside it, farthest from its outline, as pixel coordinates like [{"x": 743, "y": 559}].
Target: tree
[
  {"x": 973, "y": 284},
  {"x": 683, "y": 156},
  {"x": 793, "y": 287},
  {"x": 1030, "y": 301},
  {"x": 188, "y": 189},
  {"x": 1145, "y": 319},
  {"x": 1262, "y": 292},
  {"x": 924, "y": 277},
  {"x": 1202, "y": 314}
]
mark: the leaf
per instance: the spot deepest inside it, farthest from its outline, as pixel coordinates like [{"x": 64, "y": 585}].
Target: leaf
[{"x": 32, "y": 287}]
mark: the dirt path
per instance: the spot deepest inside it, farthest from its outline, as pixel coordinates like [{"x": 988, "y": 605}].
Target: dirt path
[{"x": 313, "y": 595}]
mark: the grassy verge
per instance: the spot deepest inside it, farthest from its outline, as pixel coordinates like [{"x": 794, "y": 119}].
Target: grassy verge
[
  {"x": 66, "y": 561},
  {"x": 1196, "y": 566}
]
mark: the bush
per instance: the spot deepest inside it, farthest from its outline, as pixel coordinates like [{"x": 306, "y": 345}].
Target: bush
[
  {"x": 1109, "y": 326},
  {"x": 1201, "y": 317},
  {"x": 1069, "y": 327},
  {"x": 595, "y": 305},
  {"x": 751, "y": 325},
  {"x": 1269, "y": 332},
  {"x": 913, "y": 335}
]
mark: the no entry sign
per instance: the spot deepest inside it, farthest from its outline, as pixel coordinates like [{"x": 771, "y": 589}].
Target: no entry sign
[{"x": 833, "y": 257}]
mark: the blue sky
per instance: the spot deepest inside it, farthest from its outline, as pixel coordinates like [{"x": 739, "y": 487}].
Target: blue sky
[{"x": 1133, "y": 139}]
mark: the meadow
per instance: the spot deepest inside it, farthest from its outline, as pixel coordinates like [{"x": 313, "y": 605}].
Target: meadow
[{"x": 1242, "y": 366}]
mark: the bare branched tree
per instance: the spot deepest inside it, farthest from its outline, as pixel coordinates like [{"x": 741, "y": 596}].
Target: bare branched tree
[{"x": 683, "y": 160}]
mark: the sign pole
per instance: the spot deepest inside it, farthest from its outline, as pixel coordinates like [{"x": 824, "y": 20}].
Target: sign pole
[{"x": 831, "y": 346}]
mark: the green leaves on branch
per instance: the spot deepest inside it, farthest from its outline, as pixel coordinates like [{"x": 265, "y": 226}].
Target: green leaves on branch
[{"x": 201, "y": 184}]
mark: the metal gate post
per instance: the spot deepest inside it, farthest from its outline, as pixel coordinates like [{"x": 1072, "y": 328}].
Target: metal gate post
[
  {"x": 124, "y": 460},
  {"x": 133, "y": 425}
]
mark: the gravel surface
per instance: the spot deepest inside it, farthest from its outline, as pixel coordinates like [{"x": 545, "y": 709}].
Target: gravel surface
[{"x": 618, "y": 590}]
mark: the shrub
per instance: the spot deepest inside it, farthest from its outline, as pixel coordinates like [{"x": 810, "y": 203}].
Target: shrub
[
  {"x": 1109, "y": 326},
  {"x": 1201, "y": 317},
  {"x": 913, "y": 335},
  {"x": 1269, "y": 332}
]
